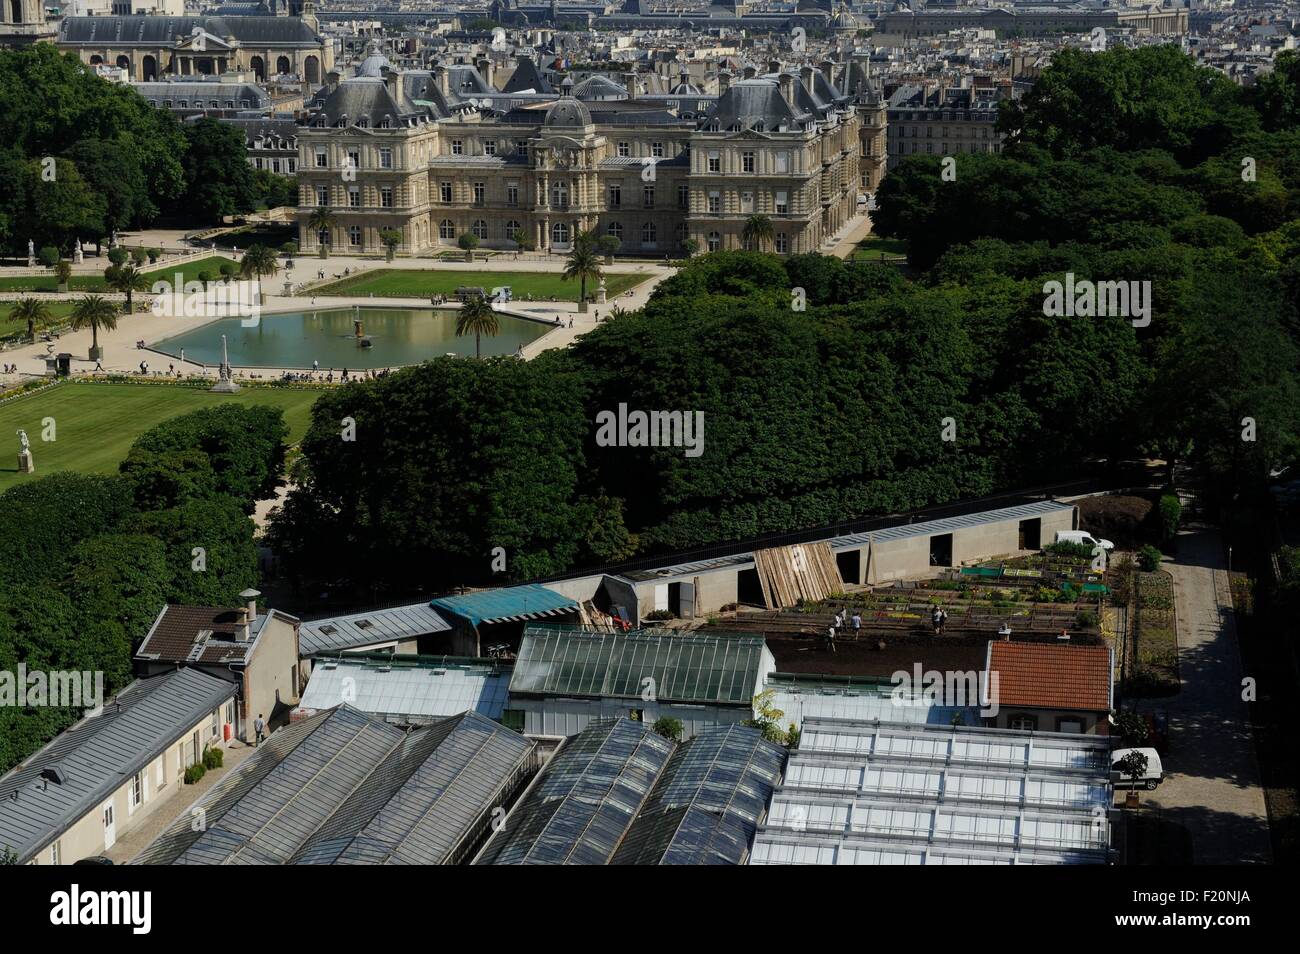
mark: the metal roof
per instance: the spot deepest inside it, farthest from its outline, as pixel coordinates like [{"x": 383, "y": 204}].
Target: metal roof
[
  {"x": 692, "y": 668},
  {"x": 507, "y": 605},
  {"x": 369, "y": 629},
  {"x": 800, "y": 702},
  {"x": 582, "y": 805},
  {"x": 97, "y": 755},
  {"x": 886, "y": 793},
  {"x": 418, "y": 691},
  {"x": 950, "y": 524},
  {"x": 346, "y": 788}
]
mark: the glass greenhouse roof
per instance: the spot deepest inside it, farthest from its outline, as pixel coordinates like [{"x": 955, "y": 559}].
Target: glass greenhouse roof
[{"x": 720, "y": 669}]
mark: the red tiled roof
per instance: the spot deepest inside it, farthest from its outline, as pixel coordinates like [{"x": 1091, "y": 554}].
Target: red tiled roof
[{"x": 1051, "y": 676}]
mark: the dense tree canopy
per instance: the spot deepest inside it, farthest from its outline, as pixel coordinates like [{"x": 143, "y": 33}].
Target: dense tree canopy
[{"x": 118, "y": 161}]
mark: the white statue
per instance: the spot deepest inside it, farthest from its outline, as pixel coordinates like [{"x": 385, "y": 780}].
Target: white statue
[
  {"x": 31, "y": 254},
  {"x": 22, "y": 439},
  {"x": 77, "y": 252}
]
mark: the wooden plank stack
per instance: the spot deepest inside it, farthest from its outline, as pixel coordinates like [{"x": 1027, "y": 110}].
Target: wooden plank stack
[{"x": 803, "y": 571}]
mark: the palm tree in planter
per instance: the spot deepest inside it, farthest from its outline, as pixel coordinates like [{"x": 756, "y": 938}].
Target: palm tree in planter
[
  {"x": 323, "y": 222},
  {"x": 62, "y": 274},
  {"x": 31, "y": 311},
  {"x": 521, "y": 239},
  {"x": 391, "y": 239},
  {"x": 126, "y": 279},
  {"x": 758, "y": 232},
  {"x": 289, "y": 250},
  {"x": 608, "y": 245},
  {"x": 468, "y": 242},
  {"x": 477, "y": 318},
  {"x": 94, "y": 312},
  {"x": 583, "y": 264}
]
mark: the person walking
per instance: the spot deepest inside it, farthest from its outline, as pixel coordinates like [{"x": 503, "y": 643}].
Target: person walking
[
  {"x": 936, "y": 620},
  {"x": 857, "y": 623},
  {"x": 259, "y": 728},
  {"x": 830, "y": 638}
]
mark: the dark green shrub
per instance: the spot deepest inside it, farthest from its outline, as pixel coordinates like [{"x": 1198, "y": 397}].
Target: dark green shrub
[
  {"x": 1149, "y": 558},
  {"x": 194, "y": 773},
  {"x": 1171, "y": 512},
  {"x": 213, "y": 758}
]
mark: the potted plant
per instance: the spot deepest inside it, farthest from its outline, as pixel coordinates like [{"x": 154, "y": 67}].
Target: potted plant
[
  {"x": 468, "y": 242},
  {"x": 63, "y": 273},
  {"x": 391, "y": 238}
]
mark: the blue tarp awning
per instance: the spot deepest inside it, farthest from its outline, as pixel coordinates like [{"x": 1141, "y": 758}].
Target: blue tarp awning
[{"x": 509, "y": 605}]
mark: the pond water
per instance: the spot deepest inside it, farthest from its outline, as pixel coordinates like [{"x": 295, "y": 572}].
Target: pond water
[{"x": 398, "y": 336}]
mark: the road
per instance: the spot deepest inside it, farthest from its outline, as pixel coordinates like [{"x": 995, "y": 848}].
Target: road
[{"x": 1212, "y": 786}]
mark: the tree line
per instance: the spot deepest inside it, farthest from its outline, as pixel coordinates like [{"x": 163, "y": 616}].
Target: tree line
[{"x": 90, "y": 560}]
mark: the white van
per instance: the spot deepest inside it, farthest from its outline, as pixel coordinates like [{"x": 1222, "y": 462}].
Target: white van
[
  {"x": 1083, "y": 536},
  {"x": 1149, "y": 779}
]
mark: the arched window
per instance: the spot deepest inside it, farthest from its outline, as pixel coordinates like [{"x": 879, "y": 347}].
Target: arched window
[
  {"x": 446, "y": 229},
  {"x": 559, "y": 234},
  {"x": 511, "y": 228},
  {"x": 480, "y": 229},
  {"x": 615, "y": 229},
  {"x": 282, "y": 65}
]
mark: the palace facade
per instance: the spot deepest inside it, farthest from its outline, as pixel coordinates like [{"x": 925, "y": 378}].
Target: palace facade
[{"x": 406, "y": 151}]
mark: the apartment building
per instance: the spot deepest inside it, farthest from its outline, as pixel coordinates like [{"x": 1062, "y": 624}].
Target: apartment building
[{"x": 941, "y": 123}]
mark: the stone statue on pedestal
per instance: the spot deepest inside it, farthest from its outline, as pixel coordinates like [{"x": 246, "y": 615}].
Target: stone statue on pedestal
[
  {"x": 25, "y": 463},
  {"x": 31, "y": 254}
]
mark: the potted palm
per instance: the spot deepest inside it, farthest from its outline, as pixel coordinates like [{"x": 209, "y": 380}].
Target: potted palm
[{"x": 94, "y": 312}]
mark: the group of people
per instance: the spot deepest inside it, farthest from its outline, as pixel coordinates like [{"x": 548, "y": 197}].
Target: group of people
[
  {"x": 841, "y": 621},
  {"x": 939, "y": 619}
]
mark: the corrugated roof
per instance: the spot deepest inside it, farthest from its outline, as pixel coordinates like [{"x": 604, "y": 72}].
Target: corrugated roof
[
  {"x": 346, "y": 788},
  {"x": 690, "y": 668},
  {"x": 369, "y": 629},
  {"x": 420, "y": 692},
  {"x": 950, "y": 524},
  {"x": 1052, "y": 676},
  {"x": 97, "y": 755},
  {"x": 508, "y": 604}
]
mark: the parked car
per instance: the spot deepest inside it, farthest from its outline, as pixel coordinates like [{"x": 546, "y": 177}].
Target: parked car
[
  {"x": 1153, "y": 776},
  {"x": 1083, "y": 536}
]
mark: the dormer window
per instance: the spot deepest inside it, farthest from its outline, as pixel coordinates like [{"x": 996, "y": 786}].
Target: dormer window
[{"x": 362, "y": 122}]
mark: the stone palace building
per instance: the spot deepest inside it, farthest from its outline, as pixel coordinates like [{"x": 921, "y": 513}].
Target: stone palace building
[{"x": 439, "y": 153}]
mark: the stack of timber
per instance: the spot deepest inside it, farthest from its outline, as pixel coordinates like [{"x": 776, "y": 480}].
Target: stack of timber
[{"x": 804, "y": 571}]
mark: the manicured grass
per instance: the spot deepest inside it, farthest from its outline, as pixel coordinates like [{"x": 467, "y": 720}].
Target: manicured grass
[
  {"x": 423, "y": 283},
  {"x": 873, "y": 246},
  {"x": 59, "y": 312},
  {"x": 96, "y": 423},
  {"x": 91, "y": 283}
]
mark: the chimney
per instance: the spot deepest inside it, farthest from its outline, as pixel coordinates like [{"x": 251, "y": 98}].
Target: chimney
[
  {"x": 248, "y": 614},
  {"x": 750, "y": 72},
  {"x": 724, "y": 81},
  {"x": 440, "y": 77},
  {"x": 806, "y": 74},
  {"x": 332, "y": 80},
  {"x": 786, "y": 80},
  {"x": 484, "y": 67},
  {"x": 828, "y": 71},
  {"x": 392, "y": 80},
  {"x": 629, "y": 80},
  {"x": 774, "y": 66}
]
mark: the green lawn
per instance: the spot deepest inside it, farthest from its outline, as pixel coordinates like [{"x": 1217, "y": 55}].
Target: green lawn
[
  {"x": 59, "y": 312},
  {"x": 423, "y": 283},
  {"x": 873, "y": 246},
  {"x": 90, "y": 283},
  {"x": 95, "y": 424}
]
